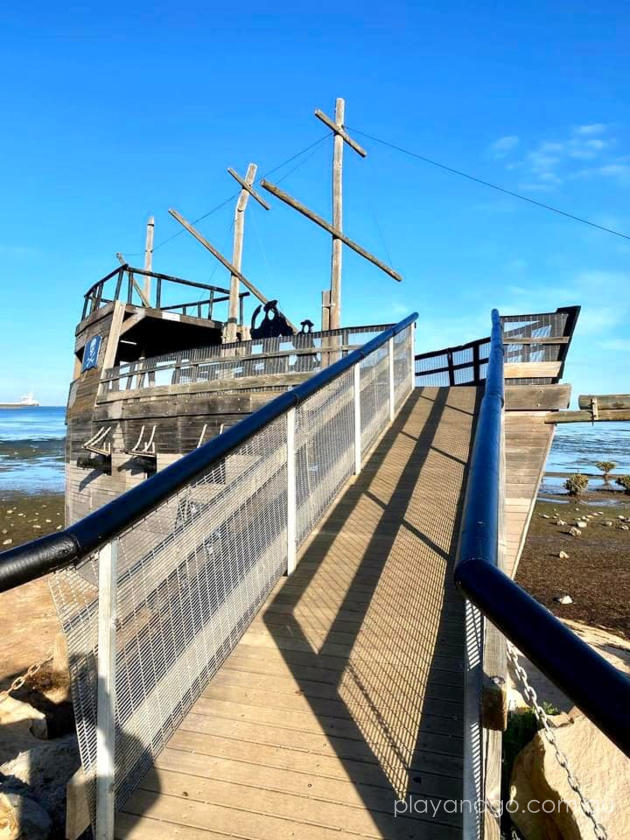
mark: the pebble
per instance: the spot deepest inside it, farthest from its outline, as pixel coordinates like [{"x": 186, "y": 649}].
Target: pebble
[
  {"x": 608, "y": 523},
  {"x": 623, "y": 518},
  {"x": 561, "y": 522},
  {"x": 625, "y": 527},
  {"x": 9, "y": 510},
  {"x": 545, "y": 515},
  {"x": 48, "y": 520},
  {"x": 563, "y": 555},
  {"x": 581, "y": 524},
  {"x": 4, "y": 531},
  {"x": 7, "y": 542},
  {"x": 59, "y": 527},
  {"x": 37, "y": 526},
  {"x": 563, "y": 599},
  {"x": 575, "y": 532}
]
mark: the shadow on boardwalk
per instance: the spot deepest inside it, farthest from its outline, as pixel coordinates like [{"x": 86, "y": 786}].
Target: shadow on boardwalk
[{"x": 372, "y": 630}]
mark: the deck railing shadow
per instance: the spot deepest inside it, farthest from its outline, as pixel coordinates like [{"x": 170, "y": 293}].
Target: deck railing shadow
[{"x": 388, "y": 636}]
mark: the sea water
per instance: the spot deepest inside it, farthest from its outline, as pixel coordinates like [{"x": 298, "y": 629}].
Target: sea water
[
  {"x": 32, "y": 445},
  {"x": 32, "y": 449}
]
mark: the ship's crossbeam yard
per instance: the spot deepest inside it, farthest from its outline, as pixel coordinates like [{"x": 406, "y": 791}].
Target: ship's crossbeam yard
[{"x": 266, "y": 637}]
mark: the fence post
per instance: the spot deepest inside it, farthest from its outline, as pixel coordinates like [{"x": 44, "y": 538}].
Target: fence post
[
  {"x": 412, "y": 351},
  {"x": 106, "y": 692},
  {"x": 390, "y": 351},
  {"x": 291, "y": 494},
  {"x": 357, "y": 418}
]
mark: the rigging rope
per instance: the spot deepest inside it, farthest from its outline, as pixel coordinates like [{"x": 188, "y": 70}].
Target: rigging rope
[{"x": 481, "y": 181}]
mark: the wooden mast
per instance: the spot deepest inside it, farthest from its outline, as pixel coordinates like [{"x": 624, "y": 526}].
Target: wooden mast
[
  {"x": 223, "y": 260},
  {"x": 333, "y": 302},
  {"x": 237, "y": 252},
  {"x": 148, "y": 256}
]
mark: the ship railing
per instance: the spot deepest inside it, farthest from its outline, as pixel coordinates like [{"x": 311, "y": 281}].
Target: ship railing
[
  {"x": 302, "y": 354},
  {"x": 497, "y": 609},
  {"x": 536, "y": 345},
  {"x": 155, "y": 589},
  {"x": 139, "y": 287}
]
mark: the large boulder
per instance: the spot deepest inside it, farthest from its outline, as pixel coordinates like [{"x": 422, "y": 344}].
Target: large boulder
[{"x": 544, "y": 806}]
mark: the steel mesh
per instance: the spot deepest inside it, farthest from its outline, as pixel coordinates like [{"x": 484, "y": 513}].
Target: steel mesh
[{"x": 193, "y": 573}]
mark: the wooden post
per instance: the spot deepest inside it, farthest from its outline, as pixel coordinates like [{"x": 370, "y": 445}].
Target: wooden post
[
  {"x": 106, "y": 693},
  {"x": 337, "y": 220},
  {"x": 148, "y": 256},
  {"x": 237, "y": 254},
  {"x": 340, "y": 137},
  {"x": 325, "y": 310}
]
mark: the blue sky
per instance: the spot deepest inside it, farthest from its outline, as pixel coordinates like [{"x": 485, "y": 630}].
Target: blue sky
[{"x": 112, "y": 112}]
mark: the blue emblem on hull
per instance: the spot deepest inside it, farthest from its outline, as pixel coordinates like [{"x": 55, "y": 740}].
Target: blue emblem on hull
[{"x": 90, "y": 355}]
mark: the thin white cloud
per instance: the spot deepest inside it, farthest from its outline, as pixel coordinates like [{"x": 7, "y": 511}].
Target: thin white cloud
[
  {"x": 550, "y": 162},
  {"x": 504, "y": 145},
  {"x": 592, "y": 128}
]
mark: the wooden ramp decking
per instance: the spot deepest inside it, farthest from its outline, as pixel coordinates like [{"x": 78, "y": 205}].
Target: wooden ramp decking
[{"x": 346, "y": 692}]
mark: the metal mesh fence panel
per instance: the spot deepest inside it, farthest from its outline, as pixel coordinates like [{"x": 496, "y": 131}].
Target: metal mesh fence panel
[
  {"x": 402, "y": 361},
  {"x": 194, "y": 572},
  {"x": 324, "y": 442},
  {"x": 374, "y": 396}
]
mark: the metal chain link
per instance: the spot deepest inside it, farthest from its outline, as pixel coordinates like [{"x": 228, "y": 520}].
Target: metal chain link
[
  {"x": 18, "y": 682},
  {"x": 563, "y": 761}
]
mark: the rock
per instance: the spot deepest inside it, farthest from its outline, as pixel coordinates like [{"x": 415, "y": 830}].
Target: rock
[
  {"x": 561, "y": 522},
  {"x": 608, "y": 523},
  {"x": 23, "y": 817},
  {"x": 42, "y": 772},
  {"x": 621, "y": 517},
  {"x": 563, "y": 599},
  {"x": 545, "y": 515},
  {"x": 581, "y": 523},
  {"x": 7, "y": 542},
  {"x": 575, "y": 532},
  {"x": 21, "y": 718},
  {"x": 563, "y": 555},
  {"x": 602, "y": 770},
  {"x": 625, "y": 527}
]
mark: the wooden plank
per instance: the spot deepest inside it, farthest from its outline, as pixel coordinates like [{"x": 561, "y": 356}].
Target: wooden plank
[
  {"x": 527, "y": 397},
  {"x": 558, "y": 339},
  {"x": 339, "y": 130},
  {"x": 587, "y": 416},
  {"x": 249, "y": 188},
  {"x": 608, "y": 401},
  {"x": 532, "y": 370}
]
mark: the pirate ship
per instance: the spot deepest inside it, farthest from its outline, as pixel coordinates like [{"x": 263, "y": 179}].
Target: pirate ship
[{"x": 164, "y": 364}]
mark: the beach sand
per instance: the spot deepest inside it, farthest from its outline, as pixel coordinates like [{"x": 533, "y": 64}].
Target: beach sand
[{"x": 30, "y": 621}]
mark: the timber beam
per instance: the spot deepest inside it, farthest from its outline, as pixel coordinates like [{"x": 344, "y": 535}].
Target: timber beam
[{"x": 301, "y": 208}]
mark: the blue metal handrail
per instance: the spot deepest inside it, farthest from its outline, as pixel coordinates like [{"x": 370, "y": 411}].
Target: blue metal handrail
[
  {"x": 596, "y": 687},
  {"x": 55, "y": 551}
]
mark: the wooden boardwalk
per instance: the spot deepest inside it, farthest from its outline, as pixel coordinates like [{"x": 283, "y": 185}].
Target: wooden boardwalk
[{"x": 345, "y": 694}]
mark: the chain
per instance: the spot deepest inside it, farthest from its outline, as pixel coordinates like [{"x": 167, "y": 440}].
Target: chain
[
  {"x": 563, "y": 761},
  {"x": 18, "y": 682}
]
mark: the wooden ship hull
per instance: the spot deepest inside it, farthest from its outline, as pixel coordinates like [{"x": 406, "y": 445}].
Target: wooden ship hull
[{"x": 151, "y": 383}]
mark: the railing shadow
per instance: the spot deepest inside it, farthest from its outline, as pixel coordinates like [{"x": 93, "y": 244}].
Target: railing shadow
[{"x": 371, "y": 611}]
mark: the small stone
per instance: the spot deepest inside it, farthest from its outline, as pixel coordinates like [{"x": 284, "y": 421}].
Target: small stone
[
  {"x": 575, "y": 532},
  {"x": 581, "y": 523},
  {"x": 9, "y": 510},
  {"x": 625, "y": 527},
  {"x": 545, "y": 515},
  {"x": 621, "y": 517},
  {"x": 4, "y": 531},
  {"x": 563, "y": 555},
  {"x": 563, "y": 599},
  {"x": 20, "y": 514},
  {"x": 561, "y": 522},
  {"x": 7, "y": 542},
  {"x": 59, "y": 527},
  {"x": 608, "y": 523},
  {"x": 37, "y": 527},
  {"x": 48, "y": 520}
]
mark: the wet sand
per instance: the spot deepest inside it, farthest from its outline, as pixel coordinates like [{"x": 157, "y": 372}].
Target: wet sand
[
  {"x": 29, "y": 619},
  {"x": 596, "y": 573}
]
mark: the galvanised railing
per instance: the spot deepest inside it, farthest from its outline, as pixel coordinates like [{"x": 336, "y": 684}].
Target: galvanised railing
[
  {"x": 539, "y": 337},
  {"x": 155, "y": 589},
  {"x": 303, "y": 353},
  {"x": 595, "y": 686}
]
